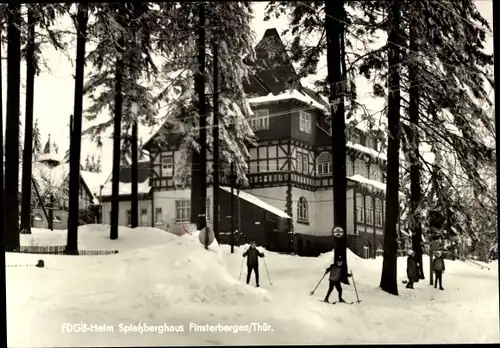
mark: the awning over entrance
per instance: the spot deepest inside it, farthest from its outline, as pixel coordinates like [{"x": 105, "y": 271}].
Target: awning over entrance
[{"x": 258, "y": 202}]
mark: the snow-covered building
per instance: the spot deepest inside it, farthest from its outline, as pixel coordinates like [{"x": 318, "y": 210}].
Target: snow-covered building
[
  {"x": 125, "y": 190},
  {"x": 290, "y": 172},
  {"x": 51, "y": 186}
]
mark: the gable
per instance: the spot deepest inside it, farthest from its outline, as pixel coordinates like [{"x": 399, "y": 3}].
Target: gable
[{"x": 272, "y": 66}]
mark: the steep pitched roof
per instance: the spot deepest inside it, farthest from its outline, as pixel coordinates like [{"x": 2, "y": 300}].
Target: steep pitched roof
[
  {"x": 50, "y": 154},
  {"x": 272, "y": 68}
]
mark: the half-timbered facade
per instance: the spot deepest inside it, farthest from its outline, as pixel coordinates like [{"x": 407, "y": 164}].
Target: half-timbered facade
[{"x": 291, "y": 167}]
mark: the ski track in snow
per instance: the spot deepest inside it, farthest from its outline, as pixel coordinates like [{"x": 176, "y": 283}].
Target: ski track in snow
[{"x": 161, "y": 278}]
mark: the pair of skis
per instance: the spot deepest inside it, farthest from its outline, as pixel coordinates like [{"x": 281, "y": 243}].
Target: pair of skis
[{"x": 335, "y": 302}]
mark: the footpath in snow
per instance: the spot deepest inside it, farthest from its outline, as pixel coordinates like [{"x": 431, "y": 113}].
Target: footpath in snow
[{"x": 169, "y": 288}]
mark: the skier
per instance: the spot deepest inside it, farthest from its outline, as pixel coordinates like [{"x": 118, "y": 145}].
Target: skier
[
  {"x": 337, "y": 272},
  {"x": 411, "y": 269},
  {"x": 438, "y": 268},
  {"x": 253, "y": 262}
]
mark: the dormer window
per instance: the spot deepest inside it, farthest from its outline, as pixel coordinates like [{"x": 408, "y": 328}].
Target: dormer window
[
  {"x": 305, "y": 121},
  {"x": 260, "y": 120}
]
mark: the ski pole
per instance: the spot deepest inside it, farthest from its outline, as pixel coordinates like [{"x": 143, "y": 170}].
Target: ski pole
[
  {"x": 312, "y": 292},
  {"x": 241, "y": 268},
  {"x": 267, "y": 271},
  {"x": 477, "y": 264},
  {"x": 355, "y": 290}
]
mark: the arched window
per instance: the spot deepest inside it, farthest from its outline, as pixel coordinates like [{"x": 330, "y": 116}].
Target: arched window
[
  {"x": 378, "y": 212},
  {"x": 360, "y": 208},
  {"x": 302, "y": 211},
  {"x": 369, "y": 210},
  {"x": 324, "y": 164},
  {"x": 349, "y": 167},
  {"x": 360, "y": 168}
]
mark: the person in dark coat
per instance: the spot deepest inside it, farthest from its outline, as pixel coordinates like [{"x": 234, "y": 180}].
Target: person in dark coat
[
  {"x": 337, "y": 273},
  {"x": 253, "y": 262},
  {"x": 438, "y": 267},
  {"x": 411, "y": 269}
]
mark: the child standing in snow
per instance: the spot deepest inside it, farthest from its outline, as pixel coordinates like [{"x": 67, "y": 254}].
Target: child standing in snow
[
  {"x": 253, "y": 262},
  {"x": 438, "y": 268},
  {"x": 411, "y": 269},
  {"x": 336, "y": 270}
]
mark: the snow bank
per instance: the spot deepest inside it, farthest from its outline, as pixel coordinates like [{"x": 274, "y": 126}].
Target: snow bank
[
  {"x": 174, "y": 281},
  {"x": 95, "y": 236},
  {"x": 166, "y": 280}
]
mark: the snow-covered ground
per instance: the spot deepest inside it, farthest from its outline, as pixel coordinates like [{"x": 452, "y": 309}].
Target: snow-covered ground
[{"x": 173, "y": 285}]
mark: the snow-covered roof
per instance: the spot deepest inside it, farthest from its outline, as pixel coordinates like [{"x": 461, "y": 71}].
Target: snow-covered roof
[
  {"x": 370, "y": 183},
  {"x": 287, "y": 95},
  {"x": 258, "y": 202},
  {"x": 374, "y": 153},
  {"x": 125, "y": 188},
  {"x": 94, "y": 181}
]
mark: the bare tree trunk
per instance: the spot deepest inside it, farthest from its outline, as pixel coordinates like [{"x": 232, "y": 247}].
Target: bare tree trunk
[
  {"x": 12, "y": 152},
  {"x": 232, "y": 208},
  {"x": 413, "y": 137},
  {"x": 28, "y": 125},
  {"x": 134, "y": 201},
  {"x": 115, "y": 183},
  {"x": 2, "y": 192},
  {"x": 199, "y": 159},
  {"x": 76, "y": 132},
  {"x": 388, "y": 280},
  {"x": 334, "y": 33},
  {"x": 215, "y": 130}
]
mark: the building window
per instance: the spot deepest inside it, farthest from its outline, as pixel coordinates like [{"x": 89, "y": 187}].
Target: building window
[
  {"x": 144, "y": 217},
  {"x": 360, "y": 208},
  {"x": 183, "y": 211},
  {"x": 260, "y": 120},
  {"x": 299, "y": 162},
  {"x": 305, "y": 122},
  {"x": 129, "y": 218},
  {"x": 369, "y": 210},
  {"x": 167, "y": 166},
  {"x": 324, "y": 164},
  {"x": 302, "y": 162},
  {"x": 158, "y": 216},
  {"x": 302, "y": 212},
  {"x": 375, "y": 172},
  {"x": 305, "y": 163},
  {"x": 57, "y": 219},
  {"x": 378, "y": 212},
  {"x": 349, "y": 167},
  {"x": 360, "y": 168}
]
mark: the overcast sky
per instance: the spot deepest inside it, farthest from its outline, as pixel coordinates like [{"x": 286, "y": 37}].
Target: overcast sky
[{"x": 54, "y": 89}]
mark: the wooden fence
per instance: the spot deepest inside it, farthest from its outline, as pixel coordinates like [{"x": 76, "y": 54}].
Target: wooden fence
[{"x": 61, "y": 250}]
